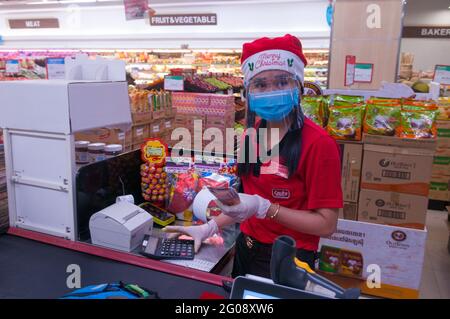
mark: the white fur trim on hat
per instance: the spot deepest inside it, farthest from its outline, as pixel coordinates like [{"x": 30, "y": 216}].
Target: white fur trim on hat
[{"x": 273, "y": 60}]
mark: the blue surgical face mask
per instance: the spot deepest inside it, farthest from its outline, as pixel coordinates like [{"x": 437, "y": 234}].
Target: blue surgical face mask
[{"x": 273, "y": 105}]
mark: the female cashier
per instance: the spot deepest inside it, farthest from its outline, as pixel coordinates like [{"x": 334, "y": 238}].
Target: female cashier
[{"x": 295, "y": 189}]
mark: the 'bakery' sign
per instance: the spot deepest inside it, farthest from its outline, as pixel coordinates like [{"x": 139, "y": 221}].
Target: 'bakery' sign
[
  {"x": 427, "y": 32},
  {"x": 183, "y": 19}
]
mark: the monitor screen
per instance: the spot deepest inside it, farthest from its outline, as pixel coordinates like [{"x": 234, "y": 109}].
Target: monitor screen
[{"x": 248, "y": 294}]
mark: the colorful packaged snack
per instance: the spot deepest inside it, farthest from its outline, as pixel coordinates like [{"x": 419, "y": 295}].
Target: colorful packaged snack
[
  {"x": 418, "y": 124},
  {"x": 344, "y": 100},
  {"x": 382, "y": 119},
  {"x": 345, "y": 122},
  {"x": 312, "y": 108}
]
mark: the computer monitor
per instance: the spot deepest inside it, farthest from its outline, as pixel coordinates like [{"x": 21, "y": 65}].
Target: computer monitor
[{"x": 246, "y": 288}]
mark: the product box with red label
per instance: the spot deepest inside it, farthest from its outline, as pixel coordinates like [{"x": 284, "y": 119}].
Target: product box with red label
[{"x": 381, "y": 260}]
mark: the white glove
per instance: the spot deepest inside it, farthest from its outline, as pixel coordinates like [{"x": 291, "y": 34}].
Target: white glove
[
  {"x": 250, "y": 205},
  {"x": 198, "y": 233}
]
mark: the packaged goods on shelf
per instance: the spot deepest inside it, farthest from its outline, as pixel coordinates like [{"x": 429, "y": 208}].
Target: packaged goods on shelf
[
  {"x": 443, "y": 134},
  {"x": 345, "y": 122},
  {"x": 197, "y": 84},
  {"x": 418, "y": 123},
  {"x": 234, "y": 81},
  {"x": 313, "y": 108},
  {"x": 347, "y": 257},
  {"x": 444, "y": 108},
  {"x": 382, "y": 119}
]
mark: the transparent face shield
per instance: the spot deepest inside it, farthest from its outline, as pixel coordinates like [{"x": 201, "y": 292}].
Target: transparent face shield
[
  {"x": 273, "y": 101},
  {"x": 274, "y": 96}
]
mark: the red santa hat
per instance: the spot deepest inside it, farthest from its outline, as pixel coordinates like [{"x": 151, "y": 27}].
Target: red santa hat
[{"x": 282, "y": 53}]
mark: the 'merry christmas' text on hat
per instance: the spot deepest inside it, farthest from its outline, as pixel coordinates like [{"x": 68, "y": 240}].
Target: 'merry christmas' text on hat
[{"x": 282, "y": 53}]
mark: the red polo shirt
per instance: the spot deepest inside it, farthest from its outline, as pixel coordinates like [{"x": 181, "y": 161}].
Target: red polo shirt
[{"x": 316, "y": 184}]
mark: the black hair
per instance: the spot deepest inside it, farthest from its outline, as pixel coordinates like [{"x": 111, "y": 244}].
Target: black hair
[{"x": 290, "y": 146}]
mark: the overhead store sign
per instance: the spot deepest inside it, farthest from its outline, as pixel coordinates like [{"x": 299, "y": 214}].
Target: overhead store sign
[
  {"x": 183, "y": 19},
  {"x": 51, "y": 23},
  {"x": 135, "y": 9},
  {"x": 442, "y": 32}
]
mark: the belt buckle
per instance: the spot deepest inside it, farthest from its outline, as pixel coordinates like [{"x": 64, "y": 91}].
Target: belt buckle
[{"x": 249, "y": 242}]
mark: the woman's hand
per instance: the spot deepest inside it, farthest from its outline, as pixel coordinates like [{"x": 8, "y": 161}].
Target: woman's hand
[
  {"x": 198, "y": 233},
  {"x": 250, "y": 205}
]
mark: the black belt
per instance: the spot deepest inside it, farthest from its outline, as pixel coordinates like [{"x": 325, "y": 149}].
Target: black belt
[{"x": 252, "y": 242}]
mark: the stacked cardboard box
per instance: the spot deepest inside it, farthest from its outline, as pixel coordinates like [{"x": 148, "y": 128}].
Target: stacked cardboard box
[
  {"x": 106, "y": 135},
  {"x": 440, "y": 180},
  {"x": 395, "y": 181},
  {"x": 199, "y": 112},
  {"x": 351, "y": 161},
  {"x": 4, "y": 220}
]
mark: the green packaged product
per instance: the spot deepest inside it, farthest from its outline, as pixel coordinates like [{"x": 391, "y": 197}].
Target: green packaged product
[
  {"x": 219, "y": 84},
  {"x": 345, "y": 100},
  {"x": 382, "y": 119},
  {"x": 312, "y": 109},
  {"x": 345, "y": 122},
  {"x": 418, "y": 124}
]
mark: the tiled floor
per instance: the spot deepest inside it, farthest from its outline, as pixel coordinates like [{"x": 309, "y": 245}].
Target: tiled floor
[{"x": 436, "y": 271}]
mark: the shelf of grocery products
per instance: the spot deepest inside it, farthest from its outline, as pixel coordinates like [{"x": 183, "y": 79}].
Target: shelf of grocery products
[{"x": 148, "y": 66}]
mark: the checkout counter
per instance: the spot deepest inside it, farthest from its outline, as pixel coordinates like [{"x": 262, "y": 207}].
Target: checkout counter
[{"x": 99, "y": 184}]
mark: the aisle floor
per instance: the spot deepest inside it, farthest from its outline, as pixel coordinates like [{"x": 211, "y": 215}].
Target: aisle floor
[{"x": 436, "y": 272}]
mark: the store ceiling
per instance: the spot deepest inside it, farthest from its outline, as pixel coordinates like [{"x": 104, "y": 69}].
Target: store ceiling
[{"x": 16, "y": 3}]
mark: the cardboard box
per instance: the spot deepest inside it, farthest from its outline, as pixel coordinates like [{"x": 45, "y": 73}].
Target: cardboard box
[
  {"x": 352, "y": 254},
  {"x": 397, "y": 169},
  {"x": 349, "y": 211},
  {"x": 441, "y": 165},
  {"x": 167, "y": 124},
  {"x": 105, "y": 135},
  {"x": 156, "y": 128},
  {"x": 351, "y": 161},
  {"x": 141, "y": 118},
  {"x": 429, "y": 144},
  {"x": 140, "y": 133},
  {"x": 389, "y": 208},
  {"x": 440, "y": 188}
]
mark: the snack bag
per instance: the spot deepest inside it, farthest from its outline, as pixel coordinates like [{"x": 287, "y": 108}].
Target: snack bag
[
  {"x": 418, "y": 124},
  {"x": 344, "y": 100},
  {"x": 444, "y": 108},
  {"x": 382, "y": 119},
  {"x": 312, "y": 108},
  {"x": 345, "y": 122}
]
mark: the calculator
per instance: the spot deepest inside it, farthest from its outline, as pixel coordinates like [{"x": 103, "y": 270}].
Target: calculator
[
  {"x": 160, "y": 216},
  {"x": 163, "y": 248}
]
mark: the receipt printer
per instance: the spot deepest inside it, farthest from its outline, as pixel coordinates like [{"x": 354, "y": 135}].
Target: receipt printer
[{"x": 120, "y": 226}]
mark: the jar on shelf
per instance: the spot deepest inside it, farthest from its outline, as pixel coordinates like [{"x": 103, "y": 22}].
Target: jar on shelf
[
  {"x": 96, "y": 152},
  {"x": 112, "y": 150},
  {"x": 81, "y": 152}
]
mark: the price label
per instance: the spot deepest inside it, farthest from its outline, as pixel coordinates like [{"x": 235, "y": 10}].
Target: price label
[
  {"x": 442, "y": 74},
  {"x": 12, "y": 66},
  {"x": 56, "y": 68},
  {"x": 363, "y": 72},
  {"x": 173, "y": 83}
]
